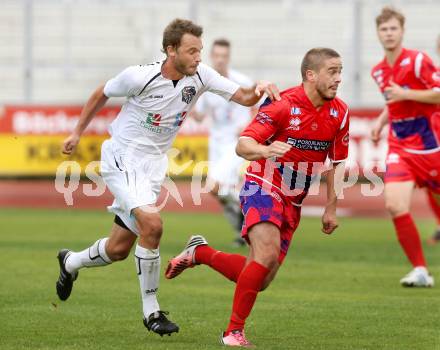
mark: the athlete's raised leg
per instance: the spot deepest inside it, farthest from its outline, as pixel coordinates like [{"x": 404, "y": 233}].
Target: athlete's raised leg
[{"x": 103, "y": 252}]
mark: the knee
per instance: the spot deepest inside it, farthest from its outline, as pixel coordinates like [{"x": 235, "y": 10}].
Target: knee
[
  {"x": 151, "y": 227},
  {"x": 117, "y": 252},
  {"x": 268, "y": 258},
  {"x": 395, "y": 208},
  {"x": 156, "y": 227}
]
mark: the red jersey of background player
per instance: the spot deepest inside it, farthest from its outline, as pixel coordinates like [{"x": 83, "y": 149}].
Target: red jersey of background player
[
  {"x": 313, "y": 134},
  {"x": 413, "y": 125}
]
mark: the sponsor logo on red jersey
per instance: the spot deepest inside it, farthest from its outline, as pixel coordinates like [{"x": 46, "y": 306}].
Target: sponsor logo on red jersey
[
  {"x": 263, "y": 118},
  {"x": 311, "y": 145}
]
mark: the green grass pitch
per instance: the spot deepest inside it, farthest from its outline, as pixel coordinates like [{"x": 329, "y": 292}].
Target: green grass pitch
[{"x": 333, "y": 292}]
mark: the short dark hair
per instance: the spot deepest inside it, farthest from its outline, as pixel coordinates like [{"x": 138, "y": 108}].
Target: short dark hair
[
  {"x": 387, "y": 13},
  {"x": 314, "y": 59},
  {"x": 173, "y": 33},
  {"x": 222, "y": 42}
]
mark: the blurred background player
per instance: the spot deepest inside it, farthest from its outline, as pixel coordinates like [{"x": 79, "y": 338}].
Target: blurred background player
[
  {"x": 407, "y": 80},
  {"x": 227, "y": 121},
  {"x": 433, "y": 201},
  {"x": 134, "y": 160},
  {"x": 287, "y": 143}
]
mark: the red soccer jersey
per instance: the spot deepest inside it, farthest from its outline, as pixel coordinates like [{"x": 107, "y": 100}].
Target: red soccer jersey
[
  {"x": 313, "y": 133},
  {"x": 414, "y": 126}
]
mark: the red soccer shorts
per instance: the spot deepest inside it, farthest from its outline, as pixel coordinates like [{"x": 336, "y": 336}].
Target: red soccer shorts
[
  {"x": 260, "y": 206},
  {"x": 423, "y": 169}
]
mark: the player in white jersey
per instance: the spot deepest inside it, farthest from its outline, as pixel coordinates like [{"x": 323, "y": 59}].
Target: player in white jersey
[
  {"x": 227, "y": 121},
  {"x": 134, "y": 162}
]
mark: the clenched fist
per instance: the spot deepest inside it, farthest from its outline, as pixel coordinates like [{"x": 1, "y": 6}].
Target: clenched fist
[{"x": 70, "y": 144}]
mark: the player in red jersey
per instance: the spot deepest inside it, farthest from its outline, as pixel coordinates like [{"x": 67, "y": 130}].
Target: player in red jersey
[
  {"x": 407, "y": 79},
  {"x": 432, "y": 200},
  {"x": 287, "y": 143}
]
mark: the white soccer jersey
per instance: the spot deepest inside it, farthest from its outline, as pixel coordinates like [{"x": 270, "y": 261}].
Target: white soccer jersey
[
  {"x": 156, "y": 107},
  {"x": 228, "y": 118}
]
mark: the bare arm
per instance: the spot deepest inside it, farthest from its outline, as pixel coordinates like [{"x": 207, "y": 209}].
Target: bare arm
[
  {"x": 96, "y": 101},
  {"x": 250, "y": 96},
  {"x": 396, "y": 93},
  {"x": 334, "y": 179},
  {"x": 197, "y": 116},
  {"x": 381, "y": 121},
  {"x": 250, "y": 149},
  {"x": 424, "y": 96}
]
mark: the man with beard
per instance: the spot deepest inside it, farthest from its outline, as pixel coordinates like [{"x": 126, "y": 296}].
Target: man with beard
[
  {"x": 287, "y": 143},
  {"x": 134, "y": 160}
]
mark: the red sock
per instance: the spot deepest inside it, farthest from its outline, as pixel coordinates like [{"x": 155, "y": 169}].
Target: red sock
[
  {"x": 229, "y": 265},
  {"x": 249, "y": 284},
  {"x": 409, "y": 239}
]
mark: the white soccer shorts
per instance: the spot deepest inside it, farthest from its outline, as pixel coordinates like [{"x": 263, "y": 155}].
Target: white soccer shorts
[{"x": 133, "y": 183}]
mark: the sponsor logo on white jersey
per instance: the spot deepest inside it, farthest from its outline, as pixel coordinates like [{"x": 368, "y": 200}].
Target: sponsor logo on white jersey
[
  {"x": 152, "y": 123},
  {"x": 188, "y": 92}
]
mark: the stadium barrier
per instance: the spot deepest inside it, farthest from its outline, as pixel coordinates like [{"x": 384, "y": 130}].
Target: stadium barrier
[{"x": 31, "y": 140}]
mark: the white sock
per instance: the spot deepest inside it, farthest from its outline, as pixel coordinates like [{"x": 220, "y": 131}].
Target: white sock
[
  {"x": 148, "y": 269},
  {"x": 93, "y": 256}
]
